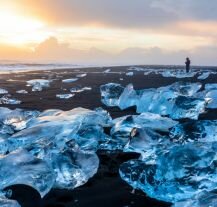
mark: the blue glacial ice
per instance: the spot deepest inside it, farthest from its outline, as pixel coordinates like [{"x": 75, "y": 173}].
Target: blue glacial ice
[
  {"x": 3, "y": 91},
  {"x": 210, "y": 93},
  {"x": 177, "y": 74},
  {"x": 39, "y": 84},
  {"x": 73, "y": 168},
  {"x": 180, "y": 173},
  {"x": 20, "y": 167},
  {"x": 71, "y": 80},
  {"x": 110, "y": 93},
  {"x": 80, "y": 89},
  {"x": 7, "y": 99},
  {"x": 129, "y": 74},
  {"x": 81, "y": 125},
  {"x": 4, "y": 202},
  {"x": 65, "y": 96},
  {"x": 175, "y": 100},
  {"x": 204, "y": 76},
  {"x": 202, "y": 131},
  {"x": 52, "y": 149},
  {"x": 123, "y": 128},
  {"x": 82, "y": 75},
  {"x": 207, "y": 199},
  {"x": 22, "y": 91}
]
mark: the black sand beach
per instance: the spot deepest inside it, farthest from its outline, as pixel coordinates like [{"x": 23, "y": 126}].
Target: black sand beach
[{"x": 106, "y": 188}]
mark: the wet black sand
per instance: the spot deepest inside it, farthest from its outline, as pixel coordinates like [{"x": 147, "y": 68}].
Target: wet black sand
[{"x": 105, "y": 188}]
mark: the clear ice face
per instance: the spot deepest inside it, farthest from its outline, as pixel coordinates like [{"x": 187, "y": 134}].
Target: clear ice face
[
  {"x": 4, "y": 202},
  {"x": 22, "y": 92},
  {"x": 50, "y": 149},
  {"x": 20, "y": 167},
  {"x": 175, "y": 100},
  {"x": 73, "y": 168},
  {"x": 79, "y": 90},
  {"x": 6, "y": 99},
  {"x": 71, "y": 80},
  {"x": 65, "y": 96},
  {"x": 110, "y": 93},
  {"x": 81, "y": 75},
  {"x": 202, "y": 131},
  {"x": 179, "y": 174},
  {"x": 207, "y": 199},
  {"x": 129, "y": 74},
  {"x": 82, "y": 125},
  {"x": 203, "y": 76},
  {"x": 210, "y": 94},
  {"x": 3, "y": 91},
  {"x": 38, "y": 84},
  {"x": 177, "y": 74}
]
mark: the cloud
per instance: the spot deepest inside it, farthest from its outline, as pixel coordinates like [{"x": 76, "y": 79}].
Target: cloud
[
  {"x": 120, "y": 13},
  {"x": 190, "y": 9},
  {"x": 115, "y": 13},
  {"x": 53, "y": 51}
]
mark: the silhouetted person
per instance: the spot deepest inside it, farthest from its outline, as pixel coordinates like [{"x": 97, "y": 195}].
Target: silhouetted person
[{"x": 187, "y": 63}]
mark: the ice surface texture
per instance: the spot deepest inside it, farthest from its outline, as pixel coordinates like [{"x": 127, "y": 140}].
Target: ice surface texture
[
  {"x": 179, "y": 174},
  {"x": 175, "y": 100},
  {"x": 38, "y": 84},
  {"x": 20, "y": 167},
  {"x": 50, "y": 149}
]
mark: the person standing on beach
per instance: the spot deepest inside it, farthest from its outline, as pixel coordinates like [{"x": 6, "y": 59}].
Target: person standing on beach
[{"x": 187, "y": 63}]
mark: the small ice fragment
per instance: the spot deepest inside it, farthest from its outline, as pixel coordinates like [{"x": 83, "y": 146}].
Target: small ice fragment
[
  {"x": 20, "y": 167},
  {"x": 129, "y": 74},
  {"x": 107, "y": 71},
  {"x": 203, "y": 76},
  {"x": 110, "y": 93},
  {"x": 81, "y": 75},
  {"x": 38, "y": 84},
  {"x": 79, "y": 90},
  {"x": 177, "y": 74},
  {"x": 7, "y": 100},
  {"x": 71, "y": 80},
  {"x": 3, "y": 91},
  {"x": 5, "y": 202},
  {"x": 22, "y": 91},
  {"x": 65, "y": 96}
]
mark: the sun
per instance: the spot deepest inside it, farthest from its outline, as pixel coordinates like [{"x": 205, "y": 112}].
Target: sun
[{"x": 18, "y": 29}]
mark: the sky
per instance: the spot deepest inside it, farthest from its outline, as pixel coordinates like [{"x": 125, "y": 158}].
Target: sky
[{"x": 109, "y": 31}]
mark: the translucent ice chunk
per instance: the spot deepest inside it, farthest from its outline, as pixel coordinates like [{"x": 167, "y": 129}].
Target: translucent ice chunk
[
  {"x": 4, "y": 202},
  {"x": 179, "y": 174},
  {"x": 73, "y": 168},
  {"x": 130, "y": 74},
  {"x": 38, "y": 84},
  {"x": 65, "y": 96},
  {"x": 202, "y": 131},
  {"x": 204, "y": 76},
  {"x": 110, "y": 93},
  {"x": 124, "y": 125},
  {"x": 79, "y": 90},
  {"x": 174, "y": 100},
  {"x": 178, "y": 74},
  {"x": 81, "y": 75},
  {"x": 71, "y": 80},
  {"x": 61, "y": 127},
  {"x": 107, "y": 71},
  {"x": 20, "y": 167},
  {"x": 6, "y": 99},
  {"x": 22, "y": 91},
  {"x": 207, "y": 199},
  {"x": 3, "y": 91},
  {"x": 148, "y": 143}
]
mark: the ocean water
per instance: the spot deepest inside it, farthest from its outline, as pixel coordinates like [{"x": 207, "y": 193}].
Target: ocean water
[{"x": 15, "y": 67}]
